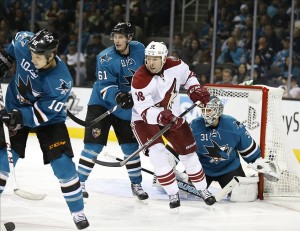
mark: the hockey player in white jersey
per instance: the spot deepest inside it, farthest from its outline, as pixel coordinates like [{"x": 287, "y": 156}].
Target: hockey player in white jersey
[{"x": 154, "y": 89}]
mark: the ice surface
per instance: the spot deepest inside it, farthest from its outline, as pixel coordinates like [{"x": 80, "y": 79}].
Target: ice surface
[{"x": 111, "y": 205}]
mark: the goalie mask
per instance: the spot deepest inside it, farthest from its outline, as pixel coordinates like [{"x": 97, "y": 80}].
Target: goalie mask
[
  {"x": 212, "y": 111},
  {"x": 155, "y": 56}
]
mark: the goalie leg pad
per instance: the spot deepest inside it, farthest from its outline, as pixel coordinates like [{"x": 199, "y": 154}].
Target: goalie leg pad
[{"x": 246, "y": 190}]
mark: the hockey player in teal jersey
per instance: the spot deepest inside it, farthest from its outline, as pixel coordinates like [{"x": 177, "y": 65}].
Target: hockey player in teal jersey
[
  {"x": 115, "y": 67},
  {"x": 35, "y": 101}
]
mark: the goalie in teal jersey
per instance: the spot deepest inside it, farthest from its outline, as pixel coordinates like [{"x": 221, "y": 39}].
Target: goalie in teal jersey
[{"x": 221, "y": 143}]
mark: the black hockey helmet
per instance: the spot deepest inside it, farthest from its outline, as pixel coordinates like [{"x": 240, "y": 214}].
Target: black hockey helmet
[
  {"x": 44, "y": 43},
  {"x": 123, "y": 28}
]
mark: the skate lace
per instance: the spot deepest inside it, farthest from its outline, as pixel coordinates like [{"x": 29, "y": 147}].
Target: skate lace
[
  {"x": 205, "y": 194},
  {"x": 154, "y": 179},
  {"x": 78, "y": 216},
  {"x": 174, "y": 198},
  {"x": 137, "y": 188}
]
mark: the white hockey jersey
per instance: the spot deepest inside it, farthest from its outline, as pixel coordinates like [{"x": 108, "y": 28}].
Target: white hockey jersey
[{"x": 153, "y": 93}]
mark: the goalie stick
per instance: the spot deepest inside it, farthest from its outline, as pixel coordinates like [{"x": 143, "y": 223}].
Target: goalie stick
[
  {"x": 147, "y": 144},
  {"x": 19, "y": 192},
  {"x": 227, "y": 189},
  {"x": 88, "y": 124}
]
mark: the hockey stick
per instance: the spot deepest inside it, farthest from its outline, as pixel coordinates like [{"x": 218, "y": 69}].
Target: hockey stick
[
  {"x": 227, "y": 189},
  {"x": 88, "y": 124},
  {"x": 147, "y": 144},
  {"x": 20, "y": 192},
  {"x": 181, "y": 184}
]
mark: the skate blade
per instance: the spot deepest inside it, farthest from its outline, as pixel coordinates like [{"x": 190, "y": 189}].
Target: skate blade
[
  {"x": 175, "y": 210},
  {"x": 142, "y": 202}
]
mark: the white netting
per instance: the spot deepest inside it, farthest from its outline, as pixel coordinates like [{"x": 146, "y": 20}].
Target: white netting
[{"x": 246, "y": 103}]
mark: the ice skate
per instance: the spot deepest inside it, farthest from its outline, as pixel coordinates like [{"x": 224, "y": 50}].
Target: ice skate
[
  {"x": 80, "y": 220},
  {"x": 174, "y": 201},
  {"x": 138, "y": 191},
  {"x": 208, "y": 198},
  {"x": 84, "y": 192}
]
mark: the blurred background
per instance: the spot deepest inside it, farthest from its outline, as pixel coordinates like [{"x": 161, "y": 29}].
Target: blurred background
[{"x": 224, "y": 41}]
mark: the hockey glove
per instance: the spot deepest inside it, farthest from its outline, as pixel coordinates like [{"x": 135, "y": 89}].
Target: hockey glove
[
  {"x": 197, "y": 93},
  {"x": 267, "y": 167},
  {"x": 165, "y": 117},
  {"x": 13, "y": 119},
  {"x": 124, "y": 100},
  {"x": 6, "y": 63}
]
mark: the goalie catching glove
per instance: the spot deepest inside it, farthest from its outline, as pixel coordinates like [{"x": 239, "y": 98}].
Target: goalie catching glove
[
  {"x": 197, "y": 93},
  {"x": 124, "y": 100},
  {"x": 6, "y": 63},
  {"x": 165, "y": 117},
  {"x": 267, "y": 167},
  {"x": 13, "y": 120}
]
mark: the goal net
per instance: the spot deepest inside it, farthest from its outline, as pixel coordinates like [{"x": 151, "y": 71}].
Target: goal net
[{"x": 259, "y": 109}]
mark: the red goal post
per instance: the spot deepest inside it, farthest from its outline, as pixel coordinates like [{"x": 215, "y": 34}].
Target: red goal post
[{"x": 259, "y": 109}]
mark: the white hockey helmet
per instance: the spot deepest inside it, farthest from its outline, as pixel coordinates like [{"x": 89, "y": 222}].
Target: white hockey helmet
[
  {"x": 212, "y": 111},
  {"x": 156, "y": 49}
]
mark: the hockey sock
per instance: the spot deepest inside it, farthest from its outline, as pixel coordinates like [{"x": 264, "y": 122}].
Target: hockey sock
[
  {"x": 134, "y": 165},
  {"x": 64, "y": 169},
  {"x": 86, "y": 163}
]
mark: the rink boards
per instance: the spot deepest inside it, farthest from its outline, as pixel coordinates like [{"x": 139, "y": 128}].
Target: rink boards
[{"x": 77, "y": 104}]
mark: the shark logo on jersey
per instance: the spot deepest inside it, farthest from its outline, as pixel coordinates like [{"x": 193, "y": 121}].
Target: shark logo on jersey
[
  {"x": 215, "y": 134},
  {"x": 128, "y": 78},
  {"x": 64, "y": 87},
  {"x": 105, "y": 58},
  {"x": 238, "y": 124},
  {"x": 217, "y": 153},
  {"x": 22, "y": 35},
  {"x": 25, "y": 92}
]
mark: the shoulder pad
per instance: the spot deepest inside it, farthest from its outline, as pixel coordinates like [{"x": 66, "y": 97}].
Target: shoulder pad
[
  {"x": 142, "y": 78},
  {"x": 171, "y": 62}
]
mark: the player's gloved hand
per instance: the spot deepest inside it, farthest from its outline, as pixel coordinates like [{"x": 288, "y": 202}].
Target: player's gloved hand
[
  {"x": 13, "y": 119},
  {"x": 6, "y": 63},
  {"x": 166, "y": 116},
  {"x": 124, "y": 100},
  {"x": 197, "y": 93},
  {"x": 269, "y": 168}
]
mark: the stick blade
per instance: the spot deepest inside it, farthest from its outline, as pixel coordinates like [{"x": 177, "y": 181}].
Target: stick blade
[
  {"x": 108, "y": 164},
  {"x": 29, "y": 195}
]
